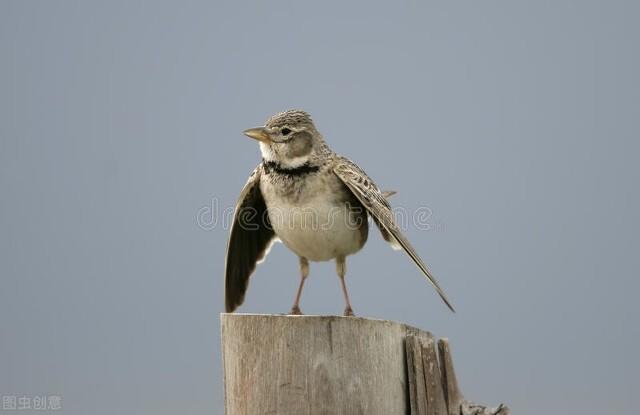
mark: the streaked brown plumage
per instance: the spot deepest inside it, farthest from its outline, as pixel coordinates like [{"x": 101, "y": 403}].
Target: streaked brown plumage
[{"x": 315, "y": 201}]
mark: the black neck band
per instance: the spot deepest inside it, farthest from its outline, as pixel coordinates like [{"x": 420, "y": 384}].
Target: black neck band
[{"x": 275, "y": 167}]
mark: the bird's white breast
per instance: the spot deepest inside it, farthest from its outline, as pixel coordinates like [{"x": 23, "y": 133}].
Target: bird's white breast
[{"x": 313, "y": 220}]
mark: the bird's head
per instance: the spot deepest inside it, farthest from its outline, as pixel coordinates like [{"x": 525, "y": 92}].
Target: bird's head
[{"x": 288, "y": 138}]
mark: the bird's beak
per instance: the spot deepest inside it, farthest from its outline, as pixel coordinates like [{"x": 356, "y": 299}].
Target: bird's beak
[{"x": 258, "y": 133}]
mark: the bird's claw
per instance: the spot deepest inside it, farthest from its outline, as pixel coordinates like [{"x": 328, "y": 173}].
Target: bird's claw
[
  {"x": 295, "y": 311},
  {"x": 348, "y": 312}
]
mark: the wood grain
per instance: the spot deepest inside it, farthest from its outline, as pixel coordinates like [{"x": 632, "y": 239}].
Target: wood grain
[
  {"x": 299, "y": 365},
  {"x": 313, "y": 365},
  {"x": 452, "y": 394},
  {"x": 435, "y": 394},
  {"x": 415, "y": 373}
]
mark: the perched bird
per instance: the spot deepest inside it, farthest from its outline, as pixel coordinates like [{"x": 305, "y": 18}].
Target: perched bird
[{"x": 315, "y": 201}]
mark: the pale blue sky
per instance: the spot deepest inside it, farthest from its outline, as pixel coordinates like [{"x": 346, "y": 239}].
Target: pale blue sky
[{"x": 515, "y": 122}]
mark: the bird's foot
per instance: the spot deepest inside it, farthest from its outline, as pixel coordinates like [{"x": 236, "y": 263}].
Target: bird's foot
[
  {"x": 348, "y": 312},
  {"x": 295, "y": 311}
]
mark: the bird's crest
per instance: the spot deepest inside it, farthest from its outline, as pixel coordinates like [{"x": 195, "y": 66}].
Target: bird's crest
[{"x": 290, "y": 117}]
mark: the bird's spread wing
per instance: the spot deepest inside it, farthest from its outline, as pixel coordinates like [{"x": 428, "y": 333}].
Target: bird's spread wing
[
  {"x": 250, "y": 238},
  {"x": 378, "y": 207}
]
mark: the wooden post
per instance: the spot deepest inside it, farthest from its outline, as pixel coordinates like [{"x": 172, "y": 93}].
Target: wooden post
[{"x": 296, "y": 365}]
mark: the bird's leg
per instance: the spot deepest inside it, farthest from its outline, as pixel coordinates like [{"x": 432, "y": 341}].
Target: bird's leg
[
  {"x": 304, "y": 273},
  {"x": 341, "y": 268}
]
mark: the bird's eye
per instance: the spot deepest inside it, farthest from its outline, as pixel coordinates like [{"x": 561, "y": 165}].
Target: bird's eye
[{"x": 285, "y": 131}]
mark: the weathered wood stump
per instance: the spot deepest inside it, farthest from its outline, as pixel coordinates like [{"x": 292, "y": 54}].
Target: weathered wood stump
[{"x": 295, "y": 365}]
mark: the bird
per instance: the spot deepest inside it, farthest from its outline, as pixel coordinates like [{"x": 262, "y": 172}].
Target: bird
[{"x": 314, "y": 201}]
